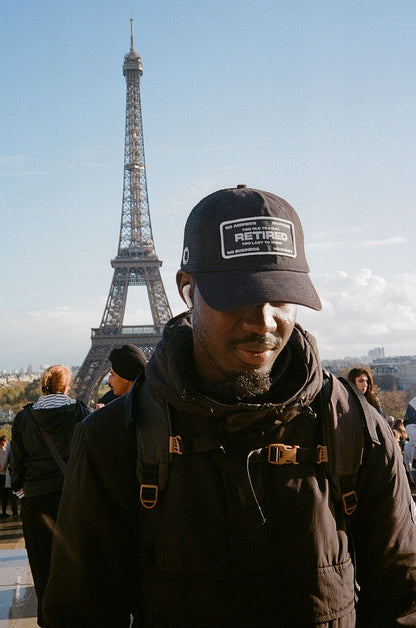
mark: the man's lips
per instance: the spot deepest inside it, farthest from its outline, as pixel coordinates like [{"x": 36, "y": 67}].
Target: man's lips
[{"x": 254, "y": 354}]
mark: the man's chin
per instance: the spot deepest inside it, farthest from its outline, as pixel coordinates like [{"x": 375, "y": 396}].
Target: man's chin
[{"x": 251, "y": 383}]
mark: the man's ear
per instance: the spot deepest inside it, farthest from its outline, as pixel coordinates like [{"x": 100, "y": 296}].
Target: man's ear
[{"x": 185, "y": 285}]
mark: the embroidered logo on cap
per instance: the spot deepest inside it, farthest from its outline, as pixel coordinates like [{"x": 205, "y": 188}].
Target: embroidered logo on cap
[{"x": 258, "y": 235}]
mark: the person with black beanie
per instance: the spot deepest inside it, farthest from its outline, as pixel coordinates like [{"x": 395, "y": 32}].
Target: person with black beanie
[{"x": 127, "y": 362}]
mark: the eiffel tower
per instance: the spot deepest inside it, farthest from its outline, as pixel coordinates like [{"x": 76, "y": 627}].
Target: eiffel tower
[{"x": 136, "y": 263}]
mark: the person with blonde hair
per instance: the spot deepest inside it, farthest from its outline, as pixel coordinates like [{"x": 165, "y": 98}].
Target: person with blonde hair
[{"x": 41, "y": 438}]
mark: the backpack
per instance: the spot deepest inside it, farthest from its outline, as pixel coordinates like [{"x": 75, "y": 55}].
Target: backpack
[{"x": 348, "y": 427}]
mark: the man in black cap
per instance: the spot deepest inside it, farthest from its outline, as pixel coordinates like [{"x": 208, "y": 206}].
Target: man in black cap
[
  {"x": 127, "y": 363},
  {"x": 246, "y": 494}
]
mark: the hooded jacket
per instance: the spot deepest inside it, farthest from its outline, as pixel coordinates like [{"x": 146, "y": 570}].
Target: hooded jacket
[
  {"x": 32, "y": 464},
  {"x": 234, "y": 540}
]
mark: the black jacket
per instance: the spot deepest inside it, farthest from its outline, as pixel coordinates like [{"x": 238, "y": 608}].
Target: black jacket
[
  {"x": 32, "y": 464},
  {"x": 217, "y": 551}
]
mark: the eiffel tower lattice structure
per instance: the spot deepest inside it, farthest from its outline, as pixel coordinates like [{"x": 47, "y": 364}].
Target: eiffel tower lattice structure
[{"x": 136, "y": 263}]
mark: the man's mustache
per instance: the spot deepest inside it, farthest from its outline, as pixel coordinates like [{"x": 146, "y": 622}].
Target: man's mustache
[{"x": 268, "y": 341}]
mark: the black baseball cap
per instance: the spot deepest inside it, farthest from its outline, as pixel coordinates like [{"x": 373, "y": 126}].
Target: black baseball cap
[{"x": 246, "y": 246}]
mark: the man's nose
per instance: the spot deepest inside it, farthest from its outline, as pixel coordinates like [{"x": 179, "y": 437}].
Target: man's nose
[{"x": 260, "y": 318}]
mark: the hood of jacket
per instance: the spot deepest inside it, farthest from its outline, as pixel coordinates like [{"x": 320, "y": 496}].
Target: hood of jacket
[
  {"x": 53, "y": 418},
  {"x": 296, "y": 377}
]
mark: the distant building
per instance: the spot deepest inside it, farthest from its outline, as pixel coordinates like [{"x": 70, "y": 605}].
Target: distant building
[
  {"x": 26, "y": 374},
  {"x": 406, "y": 374},
  {"x": 375, "y": 354},
  {"x": 385, "y": 376},
  {"x": 395, "y": 373},
  {"x": 337, "y": 364}
]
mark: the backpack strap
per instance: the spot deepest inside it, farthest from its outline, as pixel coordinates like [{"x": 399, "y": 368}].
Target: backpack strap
[
  {"x": 156, "y": 444},
  {"x": 347, "y": 425},
  {"x": 153, "y": 432}
]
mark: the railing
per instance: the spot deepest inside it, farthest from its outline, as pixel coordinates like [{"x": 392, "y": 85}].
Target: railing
[{"x": 127, "y": 330}]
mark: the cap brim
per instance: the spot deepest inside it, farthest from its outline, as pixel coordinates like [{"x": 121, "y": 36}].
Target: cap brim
[{"x": 225, "y": 291}]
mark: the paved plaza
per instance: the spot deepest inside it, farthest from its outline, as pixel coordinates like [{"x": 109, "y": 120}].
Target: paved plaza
[{"x": 17, "y": 594}]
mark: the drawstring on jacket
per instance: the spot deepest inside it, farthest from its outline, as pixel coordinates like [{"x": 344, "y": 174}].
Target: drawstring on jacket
[{"x": 251, "y": 453}]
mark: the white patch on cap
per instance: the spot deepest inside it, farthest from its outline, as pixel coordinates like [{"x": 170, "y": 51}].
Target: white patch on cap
[
  {"x": 185, "y": 256},
  {"x": 257, "y": 235}
]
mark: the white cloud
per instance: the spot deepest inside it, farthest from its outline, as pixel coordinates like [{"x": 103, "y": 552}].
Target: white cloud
[
  {"x": 325, "y": 240},
  {"x": 364, "y": 311},
  {"x": 382, "y": 242}
]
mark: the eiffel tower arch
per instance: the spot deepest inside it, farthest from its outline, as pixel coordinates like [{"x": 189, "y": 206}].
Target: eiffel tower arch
[{"x": 136, "y": 263}]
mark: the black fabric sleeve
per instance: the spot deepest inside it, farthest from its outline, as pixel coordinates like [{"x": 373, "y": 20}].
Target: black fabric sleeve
[
  {"x": 93, "y": 577},
  {"x": 385, "y": 537},
  {"x": 17, "y": 454}
]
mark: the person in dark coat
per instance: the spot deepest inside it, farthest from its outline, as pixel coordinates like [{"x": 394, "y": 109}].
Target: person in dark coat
[
  {"x": 127, "y": 363},
  {"x": 36, "y": 473},
  {"x": 236, "y": 521}
]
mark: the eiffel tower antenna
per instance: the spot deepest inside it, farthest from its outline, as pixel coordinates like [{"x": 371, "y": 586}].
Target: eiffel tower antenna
[
  {"x": 131, "y": 35},
  {"x": 136, "y": 263}
]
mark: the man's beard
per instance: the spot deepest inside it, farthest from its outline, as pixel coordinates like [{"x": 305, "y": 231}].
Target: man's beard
[
  {"x": 242, "y": 386},
  {"x": 250, "y": 384},
  {"x": 238, "y": 386}
]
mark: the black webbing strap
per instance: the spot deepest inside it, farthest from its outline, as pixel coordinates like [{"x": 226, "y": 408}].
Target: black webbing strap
[
  {"x": 189, "y": 446},
  {"x": 149, "y": 488},
  {"x": 347, "y": 481}
]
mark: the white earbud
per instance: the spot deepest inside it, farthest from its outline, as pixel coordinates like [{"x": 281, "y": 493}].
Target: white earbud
[{"x": 187, "y": 297}]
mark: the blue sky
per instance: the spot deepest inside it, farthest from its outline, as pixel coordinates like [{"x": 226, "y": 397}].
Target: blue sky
[{"x": 312, "y": 100}]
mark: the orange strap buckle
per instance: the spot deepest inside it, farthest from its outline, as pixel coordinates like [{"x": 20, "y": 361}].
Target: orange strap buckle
[{"x": 282, "y": 454}]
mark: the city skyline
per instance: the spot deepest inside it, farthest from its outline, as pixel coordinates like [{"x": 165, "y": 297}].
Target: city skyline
[
  {"x": 372, "y": 356},
  {"x": 312, "y": 101}
]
